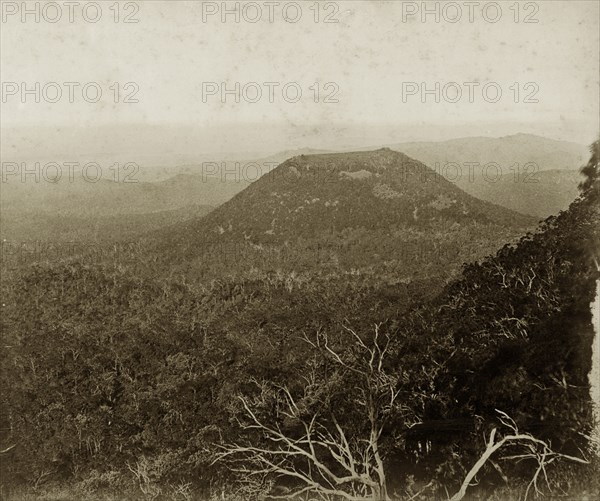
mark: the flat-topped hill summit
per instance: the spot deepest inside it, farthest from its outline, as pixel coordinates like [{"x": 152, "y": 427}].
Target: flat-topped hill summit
[{"x": 376, "y": 202}]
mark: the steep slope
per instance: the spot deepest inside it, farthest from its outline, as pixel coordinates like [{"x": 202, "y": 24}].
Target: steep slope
[
  {"x": 519, "y": 329},
  {"x": 357, "y": 210}
]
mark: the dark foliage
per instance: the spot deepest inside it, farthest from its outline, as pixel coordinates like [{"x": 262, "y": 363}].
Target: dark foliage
[{"x": 107, "y": 372}]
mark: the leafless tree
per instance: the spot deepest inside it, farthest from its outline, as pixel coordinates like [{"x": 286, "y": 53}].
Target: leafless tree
[
  {"x": 324, "y": 459},
  {"x": 533, "y": 448}
]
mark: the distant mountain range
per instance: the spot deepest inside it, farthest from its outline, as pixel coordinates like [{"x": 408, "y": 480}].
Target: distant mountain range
[
  {"x": 546, "y": 194},
  {"x": 518, "y": 171},
  {"x": 530, "y": 174},
  {"x": 109, "y": 197},
  {"x": 105, "y": 210},
  {"x": 548, "y": 154}
]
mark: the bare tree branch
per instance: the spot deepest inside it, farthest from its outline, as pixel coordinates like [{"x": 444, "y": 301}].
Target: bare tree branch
[
  {"x": 323, "y": 459},
  {"x": 536, "y": 449}
]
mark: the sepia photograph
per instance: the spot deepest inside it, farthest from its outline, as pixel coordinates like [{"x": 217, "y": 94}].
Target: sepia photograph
[{"x": 301, "y": 250}]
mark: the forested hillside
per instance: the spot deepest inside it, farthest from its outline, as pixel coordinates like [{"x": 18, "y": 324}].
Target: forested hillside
[
  {"x": 378, "y": 213},
  {"x": 275, "y": 381}
]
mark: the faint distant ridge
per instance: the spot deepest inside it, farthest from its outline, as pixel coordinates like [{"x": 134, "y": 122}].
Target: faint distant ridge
[
  {"x": 524, "y": 172},
  {"x": 281, "y": 156},
  {"x": 548, "y": 154}
]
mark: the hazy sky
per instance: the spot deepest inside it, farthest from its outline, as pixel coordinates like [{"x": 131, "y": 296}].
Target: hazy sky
[{"x": 374, "y": 52}]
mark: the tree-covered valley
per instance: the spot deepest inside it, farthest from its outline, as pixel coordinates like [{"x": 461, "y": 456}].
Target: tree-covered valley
[{"x": 349, "y": 326}]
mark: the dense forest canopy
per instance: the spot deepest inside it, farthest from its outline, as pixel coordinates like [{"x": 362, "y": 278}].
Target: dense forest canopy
[{"x": 120, "y": 378}]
